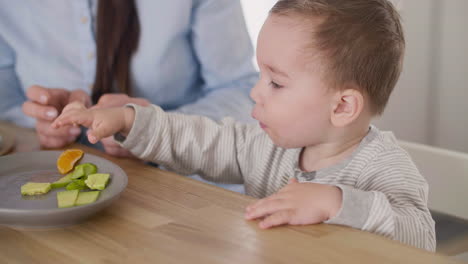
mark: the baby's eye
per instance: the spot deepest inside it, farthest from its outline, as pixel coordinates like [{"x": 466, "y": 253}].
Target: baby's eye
[{"x": 275, "y": 85}]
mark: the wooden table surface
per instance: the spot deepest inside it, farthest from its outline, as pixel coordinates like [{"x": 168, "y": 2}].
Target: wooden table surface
[{"x": 162, "y": 217}]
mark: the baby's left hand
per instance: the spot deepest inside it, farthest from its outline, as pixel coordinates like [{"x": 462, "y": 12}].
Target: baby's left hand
[{"x": 297, "y": 204}]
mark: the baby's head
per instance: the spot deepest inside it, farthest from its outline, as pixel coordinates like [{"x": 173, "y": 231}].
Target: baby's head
[{"x": 327, "y": 67}]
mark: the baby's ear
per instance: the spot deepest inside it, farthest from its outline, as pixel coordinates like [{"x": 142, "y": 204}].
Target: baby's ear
[{"x": 348, "y": 106}]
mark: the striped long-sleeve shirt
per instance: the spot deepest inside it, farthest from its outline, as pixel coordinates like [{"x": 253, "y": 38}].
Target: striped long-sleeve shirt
[{"x": 383, "y": 191}]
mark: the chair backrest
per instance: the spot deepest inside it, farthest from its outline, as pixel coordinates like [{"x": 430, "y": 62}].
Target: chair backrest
[{"x": 446, "y": 172}]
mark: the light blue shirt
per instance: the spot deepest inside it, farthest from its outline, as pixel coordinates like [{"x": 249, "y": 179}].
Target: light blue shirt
[{"x": 193, "y": 56}]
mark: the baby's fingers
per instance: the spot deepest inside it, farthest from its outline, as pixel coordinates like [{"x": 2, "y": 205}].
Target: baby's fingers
[
  {"x": 73, "y": 118},
  {"x": 101, "y": 129},
  {"x": 279, "y": 218},
  {"x": 265, "y": 207},
  {"x": 93, "y": 139}
]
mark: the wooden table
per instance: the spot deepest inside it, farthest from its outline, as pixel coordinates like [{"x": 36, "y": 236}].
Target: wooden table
[{"x": 162, "y": 217}]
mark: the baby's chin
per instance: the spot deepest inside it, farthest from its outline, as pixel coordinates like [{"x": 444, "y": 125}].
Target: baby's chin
[{"x": 284, "y": 143}]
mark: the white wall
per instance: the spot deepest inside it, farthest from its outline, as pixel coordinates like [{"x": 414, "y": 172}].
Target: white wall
[
  {"x": 407, "y": 111},
  {"x": 451, "y": 120},
  {"x": 256, "y": 12},
  {"x": 428, "y": 105}
]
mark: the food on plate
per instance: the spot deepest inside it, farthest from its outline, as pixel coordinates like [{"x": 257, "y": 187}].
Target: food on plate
[
  {"x": 67, "y": 199},
  {"x": 66, "y": 161},
  {"x": 83, "y": 170},
  {"x": 97, "y": 181},
  {"x": 33, "y": 188},
  {"x": 80, "y": 177},
  {"x": 76, "y": 185},
  {"x": 62, "y": 182},
  {"x": 87, "y": 197}
]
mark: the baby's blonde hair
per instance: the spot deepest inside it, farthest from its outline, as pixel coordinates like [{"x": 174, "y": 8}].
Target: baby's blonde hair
[{"x": 361, "y": 42}]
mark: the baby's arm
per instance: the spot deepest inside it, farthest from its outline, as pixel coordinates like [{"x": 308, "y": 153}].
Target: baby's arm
[
  {"x": 390, "y": 200},
  {"x": 189, "y": 144},
  {"x": 102, "y": 122}
]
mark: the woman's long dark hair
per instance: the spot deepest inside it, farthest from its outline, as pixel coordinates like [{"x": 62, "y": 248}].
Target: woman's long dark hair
[{"x": 118, "y": 32}]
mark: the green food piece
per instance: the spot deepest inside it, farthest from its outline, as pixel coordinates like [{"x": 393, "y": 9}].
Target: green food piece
[
  {"x": 62, "y": 182},
  {"x": 84, "y": 169},
  {"x": 33, "y": 188},
  {"x": 78, "y": 172},
  {"x": 97, "y": 181},
  {"x": 67, "y": 198},
  {"x": 87, "y": 197},
  {"x": 76, "y": 185},
  {"x": 89, "y": 168}
]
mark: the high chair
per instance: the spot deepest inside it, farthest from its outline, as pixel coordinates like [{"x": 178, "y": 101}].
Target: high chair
[{"x": 446, "y": 172}]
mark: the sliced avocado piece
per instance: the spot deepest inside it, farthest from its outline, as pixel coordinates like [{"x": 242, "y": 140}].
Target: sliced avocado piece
[
  {"x": 67, "y": 198},
  {"x": 89, "y": 168},
  {"x": 97, "y": 181},
  {"x": 62, "y": 182},
  {"x": 87, "y": 197},
  {"x": 78, "y": 172},
  {"x": 76, "y": 185},
  {"x": 33, "y": 188},
  {"x": 84, "y": 169}
]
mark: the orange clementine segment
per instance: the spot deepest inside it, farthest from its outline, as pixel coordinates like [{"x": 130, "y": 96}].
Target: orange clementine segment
[{"x": 66, "y": 161}]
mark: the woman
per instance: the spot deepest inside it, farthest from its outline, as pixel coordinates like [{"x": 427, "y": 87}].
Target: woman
[{"x": 185, "y": 57}]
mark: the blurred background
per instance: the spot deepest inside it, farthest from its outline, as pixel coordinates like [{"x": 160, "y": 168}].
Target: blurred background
[{"x": 429, "y": 103}]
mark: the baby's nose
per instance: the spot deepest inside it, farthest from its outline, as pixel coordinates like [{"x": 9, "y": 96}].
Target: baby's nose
[{"x": 255, "y": 93}]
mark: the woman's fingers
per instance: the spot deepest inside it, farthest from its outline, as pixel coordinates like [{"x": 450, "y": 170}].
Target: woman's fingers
[
  {"x": 45, "y": 105},
  {"x": 39, "y": 111},
  {"x": 81, "y": 97},
  {"x": 38, "y": 94},
  {"x": 48, "y": 96},
  {"x": 55, "y": 142},
  {"x": 118, "y": 100},
  {"x": 76, "y": 105},
  {"x": 114, "y": 149},
  {"x": 46, "y": 128},
  {"x": 112, "y": 100}
]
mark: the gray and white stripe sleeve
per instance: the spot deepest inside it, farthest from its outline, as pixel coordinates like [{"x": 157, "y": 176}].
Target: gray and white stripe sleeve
[
  {"x": 188, "y": 144},
  {"x": 390, "y": 199}
]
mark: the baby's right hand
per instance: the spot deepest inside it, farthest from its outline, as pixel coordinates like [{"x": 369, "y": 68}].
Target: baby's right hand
[{"x": 101, "y": 123}]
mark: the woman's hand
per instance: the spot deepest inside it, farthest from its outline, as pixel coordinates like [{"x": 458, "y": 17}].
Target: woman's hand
[{"x": 45, "y": 104}]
